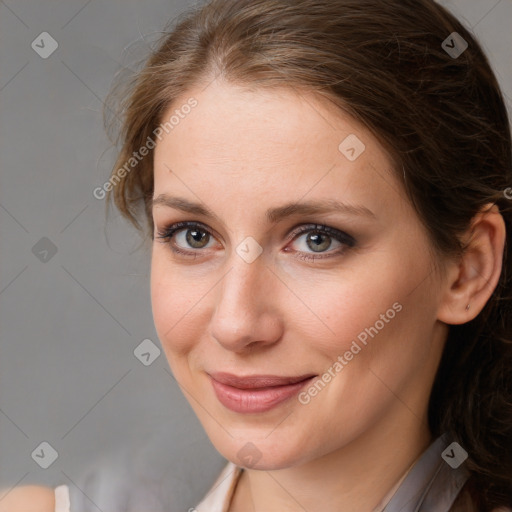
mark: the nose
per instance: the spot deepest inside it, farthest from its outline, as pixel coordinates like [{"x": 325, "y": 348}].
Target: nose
[{"x": 247, "y": 310}]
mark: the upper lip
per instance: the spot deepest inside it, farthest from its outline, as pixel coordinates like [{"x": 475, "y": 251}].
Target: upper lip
[{"x": 257, "y": 381}]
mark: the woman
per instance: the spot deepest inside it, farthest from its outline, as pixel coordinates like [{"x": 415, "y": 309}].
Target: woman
[{"x": 326, "y": 189}]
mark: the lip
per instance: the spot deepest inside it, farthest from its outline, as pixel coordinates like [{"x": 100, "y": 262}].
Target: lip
[{"x": 255, "y": 393}]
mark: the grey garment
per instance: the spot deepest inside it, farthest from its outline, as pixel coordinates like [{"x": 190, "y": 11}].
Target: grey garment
[
  {"x": 150, "y": 475},
  {"x": 432, "y": 485},
  {"x": 126, "y": 482},
  {"x": 110, "y": 487}
]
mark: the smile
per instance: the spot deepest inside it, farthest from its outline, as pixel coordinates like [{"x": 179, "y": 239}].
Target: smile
[{"x": 257, "y": 393}]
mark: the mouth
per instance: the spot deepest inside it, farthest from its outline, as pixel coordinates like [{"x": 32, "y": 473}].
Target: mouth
[{"x": 256, "y": 393}]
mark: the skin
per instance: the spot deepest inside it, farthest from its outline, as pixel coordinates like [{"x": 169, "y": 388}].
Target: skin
[
  {"x": 27, "y": 498},
  {"x": 239, "y": 153}
]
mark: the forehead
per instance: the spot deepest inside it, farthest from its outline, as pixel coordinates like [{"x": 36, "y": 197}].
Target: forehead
[
  {"x": 230, "y": 118},
  {"x": 267, "y": 142}
]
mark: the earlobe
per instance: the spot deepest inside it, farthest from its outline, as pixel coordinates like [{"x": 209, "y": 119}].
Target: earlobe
[{"x": 471, "y": 280}]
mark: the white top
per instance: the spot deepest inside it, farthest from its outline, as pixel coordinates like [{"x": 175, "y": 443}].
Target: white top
[
  {"x": 220, "y": 495},
  {"x": 62, "y": 503}
]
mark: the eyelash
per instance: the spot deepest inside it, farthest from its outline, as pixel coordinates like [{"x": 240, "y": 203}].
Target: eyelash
[{"x": 167, "y": 233}]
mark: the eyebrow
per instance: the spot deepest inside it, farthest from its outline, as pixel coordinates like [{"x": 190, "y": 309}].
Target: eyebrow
[{"x": 273, "y": 215}]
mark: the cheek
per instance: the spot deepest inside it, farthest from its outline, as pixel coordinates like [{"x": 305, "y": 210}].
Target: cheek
[
  {"x": 342, "y": 307},
  {"x": 383, "y": 324},
  {"x": 175, "y": 297},
  {"x": 376, "y": 318}
]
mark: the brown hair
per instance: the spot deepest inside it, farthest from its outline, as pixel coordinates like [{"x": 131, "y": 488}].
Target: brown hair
[{"x": 443, "y": 121}]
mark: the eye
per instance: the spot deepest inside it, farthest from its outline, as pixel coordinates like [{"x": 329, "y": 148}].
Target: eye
[
  {"x": 318, "y": 239},
  {"x": 185, "y": 235}
]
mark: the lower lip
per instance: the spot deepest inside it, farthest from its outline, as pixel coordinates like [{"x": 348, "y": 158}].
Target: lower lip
[{"x": 255, "y": 400}]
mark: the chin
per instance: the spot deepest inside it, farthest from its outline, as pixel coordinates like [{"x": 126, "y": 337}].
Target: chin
[{"x": 256, "y": 452}]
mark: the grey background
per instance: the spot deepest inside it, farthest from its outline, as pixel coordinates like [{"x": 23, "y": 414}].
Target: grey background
[{"x": 69, "y": 326}]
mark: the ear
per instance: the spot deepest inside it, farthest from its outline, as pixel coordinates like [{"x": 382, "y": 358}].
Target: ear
[{"x": 473, "y": 277}]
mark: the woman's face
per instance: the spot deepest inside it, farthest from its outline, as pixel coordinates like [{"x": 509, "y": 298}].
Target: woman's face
[{"x": 246, "y": 297}]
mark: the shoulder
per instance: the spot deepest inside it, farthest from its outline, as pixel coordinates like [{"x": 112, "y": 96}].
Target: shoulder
[{"x": 27, "y": 498}]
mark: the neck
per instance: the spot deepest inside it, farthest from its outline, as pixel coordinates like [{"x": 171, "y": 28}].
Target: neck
[{"x": 361, "y": 475}]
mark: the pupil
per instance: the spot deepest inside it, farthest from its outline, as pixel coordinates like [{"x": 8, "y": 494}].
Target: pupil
[
  {"x": 319, "y": 242},
  {"x": 195, "y": 237}
]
